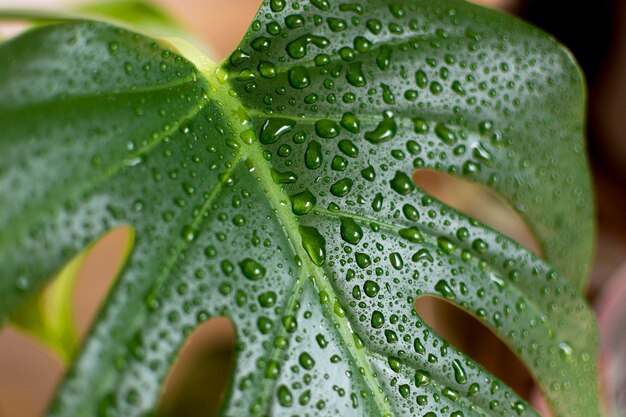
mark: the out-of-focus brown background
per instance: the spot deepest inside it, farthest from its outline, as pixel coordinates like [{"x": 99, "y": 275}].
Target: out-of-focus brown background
[{"x": 597, "y": 36}]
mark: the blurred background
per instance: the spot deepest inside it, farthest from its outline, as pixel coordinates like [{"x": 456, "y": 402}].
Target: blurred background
[{"x": 596, "y": 34}]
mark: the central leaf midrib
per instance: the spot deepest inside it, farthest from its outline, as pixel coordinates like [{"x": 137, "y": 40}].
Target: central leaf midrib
[
  {"x": 290, "y": 223},
  {"x": 278, "y": 200}
]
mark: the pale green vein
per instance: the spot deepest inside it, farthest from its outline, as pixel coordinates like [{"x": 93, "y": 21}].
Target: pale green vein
[
  {"x": 368, "y": 118},
  {"x": 199, "y": 219},
  {"x": 290, "y": 304},
  {"x": 65, "y": 100}
]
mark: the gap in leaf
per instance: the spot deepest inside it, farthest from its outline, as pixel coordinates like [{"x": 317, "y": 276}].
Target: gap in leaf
[
  {"x": 198, "y": 379},
  {"x": 96, "y": 275},
  {"x": 29, "y": 374},
  {"x": 478, "y": 202},
  {"x": 24, "y": 358},
  {"x": 466, "y": 333}
]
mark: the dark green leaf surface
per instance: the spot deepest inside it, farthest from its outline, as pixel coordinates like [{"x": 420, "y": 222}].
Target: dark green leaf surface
[{"x": 276, "y": 190}]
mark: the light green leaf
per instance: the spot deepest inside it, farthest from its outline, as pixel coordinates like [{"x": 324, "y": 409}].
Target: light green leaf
[
  {"x": 275, "y": 189},
  {"x": 136, "y": 12}
]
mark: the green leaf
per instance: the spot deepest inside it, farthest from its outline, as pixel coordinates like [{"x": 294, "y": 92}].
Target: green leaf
[{"x": 275, "y": 189}]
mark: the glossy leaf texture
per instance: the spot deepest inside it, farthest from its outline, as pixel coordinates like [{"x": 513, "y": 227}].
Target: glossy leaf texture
[{"x": 276, "y": 190}]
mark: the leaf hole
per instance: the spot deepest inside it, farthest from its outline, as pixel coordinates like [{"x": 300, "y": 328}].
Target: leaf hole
[
  {"x": 97, "y": 274},
  {"x": 33, "y": 364},
  {"x": 467, "y": 334},
  {"x": 478, "y": 202},
  {"x": 29, "y": 374},
  {"x": 198, "y": 379}
]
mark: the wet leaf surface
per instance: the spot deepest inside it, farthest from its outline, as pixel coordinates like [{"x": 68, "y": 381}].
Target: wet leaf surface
[{"x": 276, "y": 189}]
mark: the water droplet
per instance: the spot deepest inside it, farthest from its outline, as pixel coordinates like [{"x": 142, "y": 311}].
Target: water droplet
[
  {"x": 421, "y": 79},
  {"x": 113, "y": 47},
  {"x": 397, "y": 10},
  {"x": 436, "y": 88},
  {"x": 261, "y": 44},
  {"x": 298, "y": 48},
  {"x": 323, "y": 5},
  {"x": 565, "y": 351},
  {"x": 480, "y": 245},
  {"x": 446, "y": 135},
  {"x": 383, "y": 60},
  {"x": 420, "y": 126},
  {"x": 326, "y": 128},
  {"x": 410, "y": 212},
  {"x": 368, "y": 173},
  {"x": 305, "y": 397},
  {"x": 361, "y": 44},
  {"x": 350, "y": 122},
  {"x": 339, "y": 163},
  {"x": 273, "y": 129},
  {"x": 294, "y": 21},
  {"x": 299, "y": 77},
  {"x": 391, "y": 336},
  {"x": 385, "y": 130},
  {"x": 252, "y": 269},
  {"x": 277, "y": 5},
  {"x": 350, "y": 231},
  {"x": 284, "y": 177},
  {"x": 371, "y": 288},
  {"x": 443, "y": 288},
  {"x": 471, "y": 168},
  {"x": 396, "y": 261},
  {"x": 341, "y": 187},
  {"x": 302, "y": 202},
  {"x": 273, "y": 28},
  {"x": 336, "y": 25},
  {"x": 355, "y": 74},
  {"x": 412, "y": 234},
  {"x": 313, "y": 243},
  {"x": 445, "y": 244},
  {"x": 188, "y": 233},
  {"x": 388, "y": 97},
  {"x": 519, "y": 407},
  {"x": 321, "y": 341},
  {"x": 422, "y": 378},
  {"x": 457, "y": 87},
  {"x": 348, "y": 148},
  {"x": 422, "y": 255},
  {"x": 306, "y": 361},
  {"x": 378, "y": 319},
  {"x": 313, "y": 155},
  {"x": 267, "y": 299},
  {"x": 482, "y": 154},
  {"x": 418, "y": 346},
  {"x": 351, "y": 7},
  {"x": 377, "y": 202},
  {"x": 363, "y": 260},
  {"x": 401, "y": 183},
  {"x": 459, "y": 372}
]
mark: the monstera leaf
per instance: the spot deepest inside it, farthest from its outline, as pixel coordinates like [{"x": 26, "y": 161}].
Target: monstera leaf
[{"x": 275, "y": 189}]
